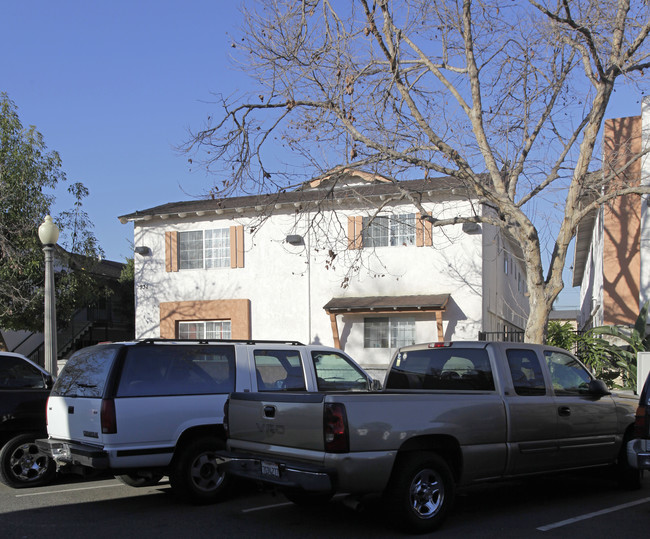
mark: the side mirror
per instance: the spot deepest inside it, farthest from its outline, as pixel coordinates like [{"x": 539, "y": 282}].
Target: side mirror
[
  {"x": 598, "y": 388},
  {"x": 49, "y": 381}
]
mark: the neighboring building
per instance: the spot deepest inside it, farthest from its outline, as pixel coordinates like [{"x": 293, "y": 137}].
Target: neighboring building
[
  {"x": 612, "y": 259},
  {"x": 565, "y": 316},
  {"x": 108, "y": 318},
  {"x": 318, "y": 266}
]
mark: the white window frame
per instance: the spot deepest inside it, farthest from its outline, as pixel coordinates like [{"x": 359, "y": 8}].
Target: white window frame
[
  {"x": 204, "y": 249},
  {"x": 205, "y": 329},
  {"x": 388, "y": 331},
  {"x": 389, "y": 230}
]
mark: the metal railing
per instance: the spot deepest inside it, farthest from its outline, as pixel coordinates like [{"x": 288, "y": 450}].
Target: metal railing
[{"x": 501, "y": 336}]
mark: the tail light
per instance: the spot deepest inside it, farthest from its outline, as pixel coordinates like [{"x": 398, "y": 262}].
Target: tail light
[
  {"x": 108, "y": 418},
  {"x": 225, "y": 417},
  {"x": 335, "y": 428},
  {"x": 641, "y": 423}
]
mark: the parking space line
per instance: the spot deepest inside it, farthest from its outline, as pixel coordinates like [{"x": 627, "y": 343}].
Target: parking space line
[
  {"x": 592, "y": 515},
  {"x": 67, "y": 490},
  {"x": 263, "y": 507}
]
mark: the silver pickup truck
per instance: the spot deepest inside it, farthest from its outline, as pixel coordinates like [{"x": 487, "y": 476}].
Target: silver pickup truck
[{"x": 449, "y": 415}]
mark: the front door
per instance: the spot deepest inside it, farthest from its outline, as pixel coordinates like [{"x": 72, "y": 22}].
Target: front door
[{"x": 586, "y": 424}]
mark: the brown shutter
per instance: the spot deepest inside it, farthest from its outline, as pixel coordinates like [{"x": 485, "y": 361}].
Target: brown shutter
[
  {"x": 423, "y": 232},
  {"x": 428, "y": 233},
  {"x": 237, "y": 246},
  {"x": 419, "y": 231},
  {"x": 171, "y": 251},
  {"x": 355, "y": 238}
]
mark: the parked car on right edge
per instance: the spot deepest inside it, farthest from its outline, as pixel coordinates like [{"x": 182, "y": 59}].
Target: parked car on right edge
[{"x": 638, "y": 449}]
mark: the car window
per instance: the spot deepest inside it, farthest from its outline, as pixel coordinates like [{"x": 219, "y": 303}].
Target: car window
[
  {"x": 526, "y": 372},
  {"x": 16, "y": 373},
  {"x": 279, "y": 370},
  {"x": 86, "y": 372},
  {"x": 177, "y": 370},
  {"x": 568, "y": 375},
  {"x": 442, "y": 368},
  {"x": 335, "y": 372}
]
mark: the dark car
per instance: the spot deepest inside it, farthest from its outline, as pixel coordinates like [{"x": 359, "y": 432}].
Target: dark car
[{"x": 24, "y": 389}]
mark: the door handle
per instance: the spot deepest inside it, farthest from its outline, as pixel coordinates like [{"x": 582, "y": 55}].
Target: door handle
[
  {"x": 269, "y": 411},
  {"x": 564, "y": 411}
]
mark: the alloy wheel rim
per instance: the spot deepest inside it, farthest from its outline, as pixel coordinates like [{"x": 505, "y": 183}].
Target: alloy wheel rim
[
  {"x": 27, "y": 463},
  {"x": 426, "y": 494}
]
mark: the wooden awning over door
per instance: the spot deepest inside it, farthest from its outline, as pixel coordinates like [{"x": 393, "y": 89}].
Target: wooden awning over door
[{"x": 373, "y": 305}]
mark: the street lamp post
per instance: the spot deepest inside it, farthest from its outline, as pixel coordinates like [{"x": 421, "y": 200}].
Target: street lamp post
[{"x": 49, "y": 234}]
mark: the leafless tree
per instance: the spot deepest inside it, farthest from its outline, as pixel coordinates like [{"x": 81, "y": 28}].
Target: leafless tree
[{"x": 506, "y": 96}]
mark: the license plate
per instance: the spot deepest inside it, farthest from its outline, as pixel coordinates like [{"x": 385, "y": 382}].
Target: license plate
[{"x": 270, "y": 469}]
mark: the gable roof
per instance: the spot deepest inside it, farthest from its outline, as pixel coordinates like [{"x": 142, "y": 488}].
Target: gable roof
[{"x": 323, "y": 191}]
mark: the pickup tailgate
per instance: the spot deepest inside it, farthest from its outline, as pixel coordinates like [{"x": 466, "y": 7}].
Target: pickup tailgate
[{"x": 292, "y": 420}]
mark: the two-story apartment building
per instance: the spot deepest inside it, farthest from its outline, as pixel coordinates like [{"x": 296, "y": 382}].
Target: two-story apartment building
[{"x": 346, "y": 262}]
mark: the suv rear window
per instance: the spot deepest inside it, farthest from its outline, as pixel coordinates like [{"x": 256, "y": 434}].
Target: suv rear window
[
  {"x": 165, "y": 369},
  {"x": 86, "y": 372},
  {"x": 463, "y": 369}
]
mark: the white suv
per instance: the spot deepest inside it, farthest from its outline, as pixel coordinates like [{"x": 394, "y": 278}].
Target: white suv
[{"x": 151, "y": 408}]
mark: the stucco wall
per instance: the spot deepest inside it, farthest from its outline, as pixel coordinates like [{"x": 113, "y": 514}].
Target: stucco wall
[
  {"x": 644, "y": 288},
  {"x": 622, "y": 218}
]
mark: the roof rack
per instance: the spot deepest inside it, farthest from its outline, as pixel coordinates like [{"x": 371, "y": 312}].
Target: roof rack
[{"x": 215, "y": 341}]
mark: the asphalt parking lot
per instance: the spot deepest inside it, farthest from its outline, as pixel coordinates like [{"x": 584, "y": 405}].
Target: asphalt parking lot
[{"x": 575, "y": 505}]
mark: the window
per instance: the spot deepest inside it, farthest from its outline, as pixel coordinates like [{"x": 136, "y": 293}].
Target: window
[
  {"x": 15, "y": 373},
  {"x": 465, "y": 369},
  {"x": 279, "y": 370},
  {"x": 177, "y": 370},
  {"x": 334, "y": 372},
  {"x": 86, "y": 372},
  {"x": 569, "y": 377},
  {"x": 218, "y": 329},
  {"x": 204, "y": 249},
  {"x": 526, "y": 372},
  {"x": 384, "y": 231},
  {"x": 385, "y": 332}
]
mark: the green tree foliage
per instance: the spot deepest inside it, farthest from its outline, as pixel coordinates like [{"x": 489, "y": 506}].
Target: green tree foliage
[
  {"x": 593, "y": 351},
  {"x": 611, "y": 361},
  {"x": 636, "y": 339},
  {"x": 29, "y": 174},
  {"x": 561, "y": 335}
]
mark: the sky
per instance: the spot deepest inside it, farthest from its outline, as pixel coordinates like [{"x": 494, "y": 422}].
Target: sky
[{"x": 114, "y": 86}]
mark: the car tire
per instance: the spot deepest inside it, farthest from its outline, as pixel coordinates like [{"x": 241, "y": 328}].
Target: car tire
[
  {"x": 194, "y": 476},
  {"x": 420, "y": 493},
  {"x": 138, "y": 481},
  {"x": 24, "y": 465}
]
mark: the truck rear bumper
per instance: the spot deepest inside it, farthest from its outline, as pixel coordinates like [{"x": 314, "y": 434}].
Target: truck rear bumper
[
  {"x": 66, "y": 452},
  {"x": 638, "y": 454},
  {"x": 276, "y": 472}
]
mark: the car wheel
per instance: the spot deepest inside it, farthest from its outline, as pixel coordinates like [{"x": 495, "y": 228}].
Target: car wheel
[
  {"x": 194, "y": 474},
  {"x": 22, "y": 464},
  {"x": 135, "y": 480},
  {"x": 420, "y": 493}
]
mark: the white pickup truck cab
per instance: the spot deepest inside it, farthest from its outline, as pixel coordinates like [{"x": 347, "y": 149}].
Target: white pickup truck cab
[{"x": 150, "y": 408}]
